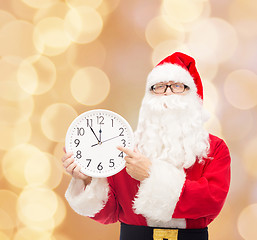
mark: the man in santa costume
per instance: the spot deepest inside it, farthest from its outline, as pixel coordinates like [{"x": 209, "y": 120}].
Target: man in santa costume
[{"x": 177, "y": 178}]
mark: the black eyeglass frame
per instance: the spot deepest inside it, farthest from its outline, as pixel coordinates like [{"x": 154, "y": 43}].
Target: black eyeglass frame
[{"x": 169, "y": 86}]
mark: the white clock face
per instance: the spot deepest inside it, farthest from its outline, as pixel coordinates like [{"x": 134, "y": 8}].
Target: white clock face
[{"x": 93, "y": 138}]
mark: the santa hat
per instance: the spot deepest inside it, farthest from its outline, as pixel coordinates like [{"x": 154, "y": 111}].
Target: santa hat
[{"x": 177, "y": 67}]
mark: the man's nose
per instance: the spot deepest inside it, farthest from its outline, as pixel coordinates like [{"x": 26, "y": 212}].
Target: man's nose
[{"x": 168, "y": 91}]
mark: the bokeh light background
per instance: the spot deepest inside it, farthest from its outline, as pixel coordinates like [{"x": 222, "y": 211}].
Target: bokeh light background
[{"x": 60, "y": 58}]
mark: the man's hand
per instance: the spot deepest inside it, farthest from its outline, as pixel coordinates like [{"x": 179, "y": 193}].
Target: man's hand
[
  {"x": 137, "y": 165},
  {"x": 73, "y": 168}
]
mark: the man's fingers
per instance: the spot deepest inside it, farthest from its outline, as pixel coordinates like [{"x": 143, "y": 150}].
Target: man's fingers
[
  {"x": 127, "y": 151},
  {"x": 71, "y": 167},
  {"x": 66, "y": 156},
  {"x": 136, "y": 150},
  {"x": 128, "y": 159},
  {"x": 76, "y": 171},
  {"x": 68, "y": 161}
]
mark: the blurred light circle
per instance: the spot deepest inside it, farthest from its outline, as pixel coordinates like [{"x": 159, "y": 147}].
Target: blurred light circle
[
  {"x": 21, "y": 10},
  {"x": 14, "y": 134},
  {"x": 213, "y": 40},
  {"x": 56, "y": 171},
  {"x": 60, "y": 213},
  {"x": 249, "y": 157},
  {"x": 5, "y": 17},
  {"x": 16, "y": 39},
  {"x": 89, "y": 3},
  {"x": 206, "y": 12},
  {"x": 8, "y": 216},
  {"x": 108, "y": 6},
  {"x": 3, "y": 236},
  {"x": 165, "y": 48},
  {"x": 58, "y": 9},
  {"x": 47, "y": 225},
  {"x": 237, "y": 124},
  {"x": 213, "y": 125},
  {"x": 91, "y": 54},
  {"x": 27, "y": 77},
  {"x": 210, "y": 96},
  {"x": 36, "y": 74},
  {"x": 49, "y": 36},
  {"x": 240, "y": 89},
  {"x": 30, "y": 233},
  {"x": 138, "y": 20},
  {"x": 6, "y": 223},
  {"x": 237, "y": 183},
  {"x": 39, "y": 3},
  {"x": 165, "y": 32},
  {"x": 37, "y": 171},
  {"x": 207, "y": 70},
  {"x": 90, "y": 86},
  {"x": 16, "y": 112},
  {"x": 37, "y": 204},
  {"x": 246, "y": 222},
  {"x": 242, "y": 10},
  {"x": 243, "y": 26},
  {"x": 58, "y": 154},
  {"x": 40, "y": 225},
  {"x": 56, "y": 119},
  {"x": 83, "y": 24},
  {"x": 13, "y": 170},
  {"x": 9, "y": 88},
  {"x": 183, "y": 10}
]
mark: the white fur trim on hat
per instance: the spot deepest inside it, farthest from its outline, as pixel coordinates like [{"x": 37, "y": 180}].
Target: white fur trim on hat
[
  {"x": 89, "y": 201},
  {"x": 159, "y": 193},
  {"x": 170, "y": 72}
]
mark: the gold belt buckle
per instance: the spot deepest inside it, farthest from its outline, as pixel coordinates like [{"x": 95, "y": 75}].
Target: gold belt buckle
[{"x": 165, "y": 234}]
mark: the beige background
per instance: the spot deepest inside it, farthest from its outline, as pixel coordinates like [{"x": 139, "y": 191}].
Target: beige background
[{"x": 61, "y": 58}]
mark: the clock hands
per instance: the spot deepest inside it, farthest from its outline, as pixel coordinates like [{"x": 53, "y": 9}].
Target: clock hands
[
  {"x": 94, "y": 134},
  {"x": 105, "y": 140},
  {"x": 100, "y": 131}
]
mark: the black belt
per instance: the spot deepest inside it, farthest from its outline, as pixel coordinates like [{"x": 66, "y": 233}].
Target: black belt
[{"x": 131, "y": 232}]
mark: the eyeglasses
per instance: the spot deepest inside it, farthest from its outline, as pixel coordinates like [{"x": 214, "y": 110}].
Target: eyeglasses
[{"x": 175, "y": 88}]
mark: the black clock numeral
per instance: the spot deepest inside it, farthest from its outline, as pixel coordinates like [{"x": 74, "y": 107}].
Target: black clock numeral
[
  {"x": 80, "y": 131},
  {"x": 112, "y": 122},
  {"x": 89, "y": 161},
  {"x": 89, "y": 122},
  {"x": 120, "y": 155},
  {"x": 122, "y": 130},
  {"x": 77, "y": 142},
  {"x": 100, "y": 120},
  {"x": 78, "y": 154},
  {"x": 111, "y": 163},
  {"x": 124, "y": 142},
  {"x": 100, "y": 167}
]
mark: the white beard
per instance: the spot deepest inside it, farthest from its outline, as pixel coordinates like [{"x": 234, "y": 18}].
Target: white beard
[{"x": 170, "y": 129}]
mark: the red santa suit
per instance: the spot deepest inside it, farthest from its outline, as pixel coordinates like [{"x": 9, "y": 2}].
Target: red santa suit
[
  {"x": 200, "y": 200},
  {"x": 187, "y": 196}
]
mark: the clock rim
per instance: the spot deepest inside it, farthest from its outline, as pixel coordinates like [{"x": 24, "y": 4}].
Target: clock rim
[{"x": 107, "y": 111}]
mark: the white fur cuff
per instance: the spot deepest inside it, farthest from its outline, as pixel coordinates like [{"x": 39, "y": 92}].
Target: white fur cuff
[
  {"x": 90, "y": 201},
  {"x": 158, "y": 195}
]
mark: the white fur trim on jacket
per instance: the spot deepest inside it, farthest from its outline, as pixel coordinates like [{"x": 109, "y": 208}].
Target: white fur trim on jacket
[
  {"x": 159, "y": 193},
  {"x": 90, "y": 201},
  {"x": 170, "y": 72}
]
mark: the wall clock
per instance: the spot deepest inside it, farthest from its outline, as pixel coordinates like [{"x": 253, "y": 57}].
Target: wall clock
[{"x": 93, "y": 138}]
